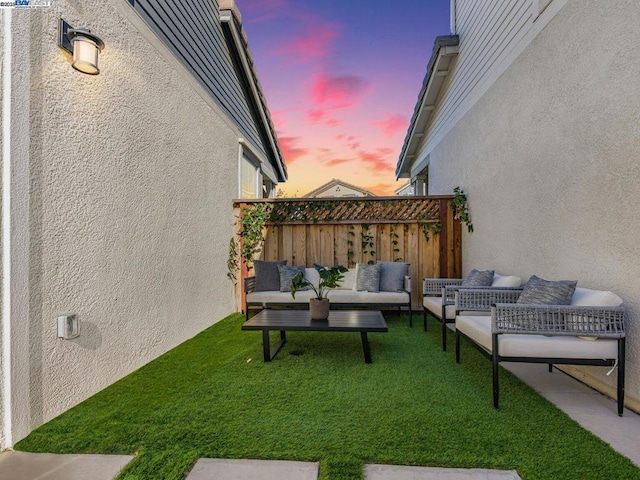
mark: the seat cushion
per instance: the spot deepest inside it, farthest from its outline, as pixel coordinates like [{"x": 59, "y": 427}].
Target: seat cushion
[
  {"x": 366, "y": 298},
  {"x": 434, "y": 305},
  {"x": 478, "y": 329},
  {"x": 275, "y": 297}
]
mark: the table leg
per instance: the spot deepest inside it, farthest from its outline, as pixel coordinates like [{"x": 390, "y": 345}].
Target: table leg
[
  {"x": 365, "y": 347},
  {"x": 269, "y": 354}
]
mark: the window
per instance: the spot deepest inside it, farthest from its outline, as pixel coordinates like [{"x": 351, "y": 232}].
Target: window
[{"x": 250, "y": 179}]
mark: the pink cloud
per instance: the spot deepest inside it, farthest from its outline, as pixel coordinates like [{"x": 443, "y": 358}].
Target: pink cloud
[
  {"x": 392, "y": 124},
  {"x": 290, "y": 149},
  {"x": 380, "y": 160},
  {"x": 382, "y": 189},
  {"x": 336, "y": 161},
  {"x": 314, "y": 43},
  {"x": 337, "y": 91}
]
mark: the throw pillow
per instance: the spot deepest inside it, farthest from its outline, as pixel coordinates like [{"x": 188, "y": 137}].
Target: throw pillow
[
  {"x": 478, "y": 278},
  {"x": 546, "y": 292},
  {"x": 368, "y": 278},
  {"x": 392, "y": 275},
  {"x": 267, "y": 276},
  {"x": 287, "y": 274}
]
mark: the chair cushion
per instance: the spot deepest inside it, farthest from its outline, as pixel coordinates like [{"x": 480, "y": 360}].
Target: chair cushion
[
  {"x": 478, "y": 329},
  {"x": 392, "y": 275},
  {"x": 506, "y": 281},
  {"x": 595, "y": 298},
  {"x": 477, "y": 278},
  {"x": 368, "y": 277},
  {"x": 546, "y": 292},
  {"x": 287, "y": 274},
  {"x": 434, "y": 305},
  {"x": 267, "y": 275}
]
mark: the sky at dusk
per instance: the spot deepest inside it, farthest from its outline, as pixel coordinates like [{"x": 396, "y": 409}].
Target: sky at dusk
[{"x": 341, "y": 79}]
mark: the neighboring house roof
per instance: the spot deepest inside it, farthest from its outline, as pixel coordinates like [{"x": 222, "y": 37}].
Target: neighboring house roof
[
  {"x": 444, "y": 48},
  {"x": 211, "y": 44},
  {"x": 339, "y": 183},
  {"x": 406, "y": 189}
]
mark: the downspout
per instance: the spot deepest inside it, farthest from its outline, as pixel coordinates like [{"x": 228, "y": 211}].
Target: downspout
[{"x": 6, "y": 232}]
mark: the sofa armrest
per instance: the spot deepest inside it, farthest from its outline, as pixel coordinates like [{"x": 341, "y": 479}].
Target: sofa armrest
[
  {"x": 567, "y": 320},
  {"x": 407, "y": 284},
  {"x": 481, "y": 299},
  {"x": 249, "y": 284},
  {"x": 434, "y": 286}
]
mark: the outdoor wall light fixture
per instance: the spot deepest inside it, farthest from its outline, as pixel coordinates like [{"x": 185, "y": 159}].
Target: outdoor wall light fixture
[{"x": 83, "y": 45}]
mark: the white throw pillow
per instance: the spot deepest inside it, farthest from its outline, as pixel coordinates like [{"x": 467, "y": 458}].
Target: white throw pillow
[
  {"x": 349, "y": 280},
  {"x": 312, "y": 276},
  {"x": 506, "y": 281},
  {"x": 586, "y": 297}
]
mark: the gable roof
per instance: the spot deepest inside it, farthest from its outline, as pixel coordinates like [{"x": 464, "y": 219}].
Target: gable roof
[
  {"x": 444, "y": 49},
  {"x": 338, "y": 183}
]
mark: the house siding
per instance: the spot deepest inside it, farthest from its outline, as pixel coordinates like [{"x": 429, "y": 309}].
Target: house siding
[
  {"x": 193, "y": 32},
  {"x": 489, "y": 31},
  {"x": 121, "y": 196},
  {"x": 548, "y": 158}
]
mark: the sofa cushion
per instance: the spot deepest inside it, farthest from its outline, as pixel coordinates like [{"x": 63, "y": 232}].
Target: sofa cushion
[
  {"x": 368, "y": 277},
  {"x": 434, "y": 305},
  {"x": 547, "y": 292},
  {"x": 286, "y": 275},
  {"x": 276, "y": 297},
  {"x": 478, "y": 278},
  {"x": 506, "y": 281},
  {"x": 267, "y": 275},
  {"x": 595, "y": 298},
  {"x": 392, "y": 275},
  {"x": 368, "y": 298},
  {"x": 312, "y": 276}
]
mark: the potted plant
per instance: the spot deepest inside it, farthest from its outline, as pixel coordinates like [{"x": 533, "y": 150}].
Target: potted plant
[{"x": 329, "y": 278}]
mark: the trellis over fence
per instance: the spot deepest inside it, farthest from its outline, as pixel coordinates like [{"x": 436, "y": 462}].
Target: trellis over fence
[{"x": 421, "y": 231}]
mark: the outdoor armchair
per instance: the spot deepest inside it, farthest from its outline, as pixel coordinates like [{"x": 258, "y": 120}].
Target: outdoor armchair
[{"x": 589, "y": 331}]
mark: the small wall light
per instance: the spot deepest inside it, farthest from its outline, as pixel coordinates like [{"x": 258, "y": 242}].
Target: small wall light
[{"x": 83, "y": 45}]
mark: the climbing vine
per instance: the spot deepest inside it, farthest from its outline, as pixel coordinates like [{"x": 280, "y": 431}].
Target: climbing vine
[
  {"x": 461, "y": 208},
  {"x": 350, "y": 254},
  {"x": 252, "y": 221},
  {"x": 233, "y": 261},
  {"x": 367, "y": 243}
]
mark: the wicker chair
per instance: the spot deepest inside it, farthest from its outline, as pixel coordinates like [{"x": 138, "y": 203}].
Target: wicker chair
[
  {"x": 438, "y": 299},
  {"x": 551, "y": 334}
]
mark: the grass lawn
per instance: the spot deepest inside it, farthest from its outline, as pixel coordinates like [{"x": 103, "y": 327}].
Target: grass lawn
[{"x": 318, "y": 401}]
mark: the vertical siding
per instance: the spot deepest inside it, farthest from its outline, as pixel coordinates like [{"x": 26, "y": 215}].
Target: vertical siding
[
  {"x": 489, "y": 30},
  {"x": 193, "y": 32}
]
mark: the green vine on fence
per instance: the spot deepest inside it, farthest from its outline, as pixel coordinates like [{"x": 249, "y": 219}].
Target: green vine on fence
[
  {"x": 461, "y": 208},
  {"x": 233, "y": 262},
  {"x": 350, "y": 254},
  {"x": 367, "y": 243}
]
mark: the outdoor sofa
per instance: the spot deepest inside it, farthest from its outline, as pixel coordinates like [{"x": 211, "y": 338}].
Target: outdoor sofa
[
  {"x": 589, "y": 330},
  {"x": 391, "y": 291}
]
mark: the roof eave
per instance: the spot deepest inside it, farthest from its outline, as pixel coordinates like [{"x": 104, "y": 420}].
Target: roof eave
[
  {"x": 445, "y": 47},
  {"x": 230, "y": 15}
]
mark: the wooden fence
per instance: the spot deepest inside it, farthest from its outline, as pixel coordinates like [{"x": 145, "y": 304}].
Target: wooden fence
[{"x": 421, "y": 231}]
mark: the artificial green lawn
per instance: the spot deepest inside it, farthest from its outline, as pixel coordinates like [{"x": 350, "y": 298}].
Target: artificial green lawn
[{"x": 318, "y": 401}]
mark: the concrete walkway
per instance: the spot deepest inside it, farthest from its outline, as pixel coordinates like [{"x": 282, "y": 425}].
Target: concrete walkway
[{"x": 589, "y": 408}]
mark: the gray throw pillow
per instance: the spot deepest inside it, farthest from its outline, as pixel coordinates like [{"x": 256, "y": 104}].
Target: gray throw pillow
[
  {"x": 478, "y": 278},
  {"x": 287, "y": 274},
  {"x": 368, "y": 277},
  {"x": 392, "y": 275},
  {"x": 267, "y": 276},
  {"x": 546, "y": 292}
]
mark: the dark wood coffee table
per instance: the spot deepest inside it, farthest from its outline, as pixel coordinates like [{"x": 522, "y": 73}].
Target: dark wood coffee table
[{"x": 362, "y": 321}]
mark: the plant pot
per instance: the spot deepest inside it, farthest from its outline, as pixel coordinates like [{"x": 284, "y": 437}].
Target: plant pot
[{"x": 319, "y": 308}]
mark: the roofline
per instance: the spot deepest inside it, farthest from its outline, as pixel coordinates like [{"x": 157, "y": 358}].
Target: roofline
[
  {"x": 336, "y": 181},
  {"x": 439, "y": 43},
  {"x": 230, "y": 15}
]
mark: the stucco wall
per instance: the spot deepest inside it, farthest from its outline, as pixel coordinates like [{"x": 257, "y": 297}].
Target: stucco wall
[
  {"x": 131, "y": 174},
  {"x": 549, "y": 158}
]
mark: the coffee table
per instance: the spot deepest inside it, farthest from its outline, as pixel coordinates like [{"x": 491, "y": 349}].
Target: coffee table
[{"x": 362, "y": 321}]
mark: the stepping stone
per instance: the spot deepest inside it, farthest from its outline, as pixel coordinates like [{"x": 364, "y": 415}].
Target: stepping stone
[
  {"x": 49, "y": 466},
  {"x": 398, "y": 472},
  {"x": 223, "y": 469}
]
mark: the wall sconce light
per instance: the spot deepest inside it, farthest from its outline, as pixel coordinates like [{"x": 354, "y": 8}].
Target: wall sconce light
[{"x": 83, "y": 45}]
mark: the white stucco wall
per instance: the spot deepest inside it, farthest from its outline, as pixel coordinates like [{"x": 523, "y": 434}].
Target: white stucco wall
[
  {"x": 549, "y": 158},
  {"x": 127, "y": 208}
]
